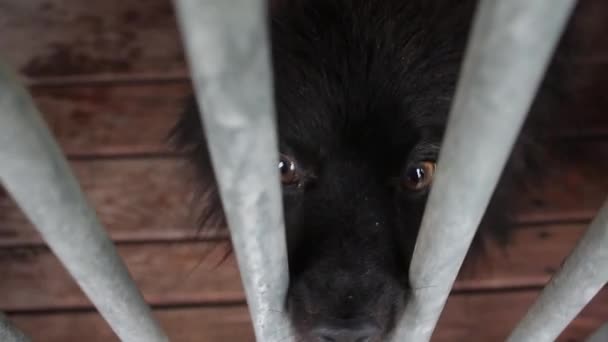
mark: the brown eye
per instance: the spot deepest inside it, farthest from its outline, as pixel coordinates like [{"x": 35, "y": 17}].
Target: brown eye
[
  {"x": 418, "y": 176},
  {"x": 288, "y": 170}
]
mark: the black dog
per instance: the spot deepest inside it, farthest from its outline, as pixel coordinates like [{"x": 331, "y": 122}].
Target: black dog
[{"x": 363, "y": 90}]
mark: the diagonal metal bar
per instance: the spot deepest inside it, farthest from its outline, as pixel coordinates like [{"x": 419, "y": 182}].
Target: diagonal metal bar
[
  {"x": 509, "y": 49},
  {"x": 581, "y": 277},
  {"x": 228, "y": 52},
  {"x": 34, "y": 171},
  {"x": 8, "y": 333}
]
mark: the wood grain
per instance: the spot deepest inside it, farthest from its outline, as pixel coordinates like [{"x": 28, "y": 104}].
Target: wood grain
[
  {"x": 127, "y": 119},
  {"x": 189, "y": 324},
  {"x": 68, "y": 38},
  {"x": 167, "y": 274},
  {"x": 571, "y": 185},
  {"x": 136, "y": 199},
  {"x": 123, "y": 39},
  {"x": 491, "y": 316},
  {"x": 110, "y": 119},
  {"x": 190, "y": 272},
  {"x": 467, "y": 318}
]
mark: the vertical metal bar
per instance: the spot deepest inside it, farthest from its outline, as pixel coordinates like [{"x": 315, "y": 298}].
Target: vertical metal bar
[
  {"x": 227, "y": 44},
  {"x": 601, "y": 335},
  {"x": 509, "y": 49},
  {"x": 8, "y": 333},
  {"x": 581, "y": 277},
  {"x": 35, "y": 173}
]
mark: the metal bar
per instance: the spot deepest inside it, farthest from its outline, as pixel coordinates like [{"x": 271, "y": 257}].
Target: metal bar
[
  {"x": 36, "y": 174},
  {"x": 228, "y": 51},
  {"x": 8, "y": 333},
  {"x": 509, "y": 49},
  {"x": 581, "y": 277},
  {"x": 600, "y": 335}
]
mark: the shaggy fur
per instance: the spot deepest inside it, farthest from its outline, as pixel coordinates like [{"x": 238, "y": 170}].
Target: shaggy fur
[{"x": 363, "y": 89}]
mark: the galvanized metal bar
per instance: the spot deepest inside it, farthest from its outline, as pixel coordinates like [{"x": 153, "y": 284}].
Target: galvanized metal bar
[
  {"x": 34, "y": 171},
  {"x": 509, "y": 49},
  {"x": 8, "y": 332},
  {"x": 580, "y": 278},
  {"x": 228, "y": 51},
  {"x": 600, "y": 335}
]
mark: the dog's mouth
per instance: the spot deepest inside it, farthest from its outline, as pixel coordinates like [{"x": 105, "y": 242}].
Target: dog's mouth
[
  {"x": 364, "y": 316},
  {"x": 347, "y": 330}
]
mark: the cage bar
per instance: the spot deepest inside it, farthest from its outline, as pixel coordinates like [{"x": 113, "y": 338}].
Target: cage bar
[
  {"x": 34, "y": 171},
  {"x": 227, "y": 44},
  {"x": 510, "y": 46},
  {"x": 581, "y": 277},
  {"x": 8, "y": 332}
]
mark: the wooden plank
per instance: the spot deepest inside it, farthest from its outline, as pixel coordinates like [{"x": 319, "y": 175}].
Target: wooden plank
[
  {"x": 70, "y": 42},
  {"x": 125, "y": 119},
  {"x": 147, "y": 199},
  {"x": 71, "y": 38},
  {"x": 136, "y": 199},
  {"x": 583, "y": 74},
  {"x": 122, "y": 39},
  {"x": 110, "y": 119},
  {"x": 491, "y": 316},
  {"x": 532, "y": 255},
  {"x": 467, "y": 317},
  {"x": 183, "y": 273},
  {"x": 167, "y": 273},
  {"x": 182, "y": 325},
  {"x": 572, "y": 184}
]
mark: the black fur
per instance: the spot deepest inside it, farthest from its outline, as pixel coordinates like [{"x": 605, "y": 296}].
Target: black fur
[{"x": 363, "y": 89}]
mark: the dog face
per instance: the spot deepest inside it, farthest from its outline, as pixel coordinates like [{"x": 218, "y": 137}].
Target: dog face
[{"x": 363, "y": 89}]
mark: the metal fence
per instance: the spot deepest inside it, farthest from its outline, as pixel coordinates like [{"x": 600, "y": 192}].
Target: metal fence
[{"x": 227, "y": 46}]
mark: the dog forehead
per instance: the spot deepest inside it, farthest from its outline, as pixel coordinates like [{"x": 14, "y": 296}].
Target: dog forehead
[
  {"x": 335, "y": 136},
  {"x": 338, "y": 90}
]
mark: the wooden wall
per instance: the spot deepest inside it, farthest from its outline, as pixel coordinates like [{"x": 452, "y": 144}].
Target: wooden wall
[{"x": 110, "y": 78}]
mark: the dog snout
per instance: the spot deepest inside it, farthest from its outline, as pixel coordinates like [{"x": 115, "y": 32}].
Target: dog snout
[{"x": 353, "y": 330}]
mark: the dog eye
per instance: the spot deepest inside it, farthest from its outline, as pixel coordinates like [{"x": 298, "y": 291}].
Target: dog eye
[
  {"x": 288, "y": 170},
  {"x": 418, "y": 176}
]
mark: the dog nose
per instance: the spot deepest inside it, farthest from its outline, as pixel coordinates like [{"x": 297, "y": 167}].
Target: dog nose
[{"x": 347, "y": 332}]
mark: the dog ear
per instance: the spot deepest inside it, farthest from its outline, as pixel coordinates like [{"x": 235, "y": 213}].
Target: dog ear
[{"x": 188, "y": 138}]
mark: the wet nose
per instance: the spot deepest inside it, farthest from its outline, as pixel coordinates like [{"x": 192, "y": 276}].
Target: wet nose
[{"x": 347, "y": 331}]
